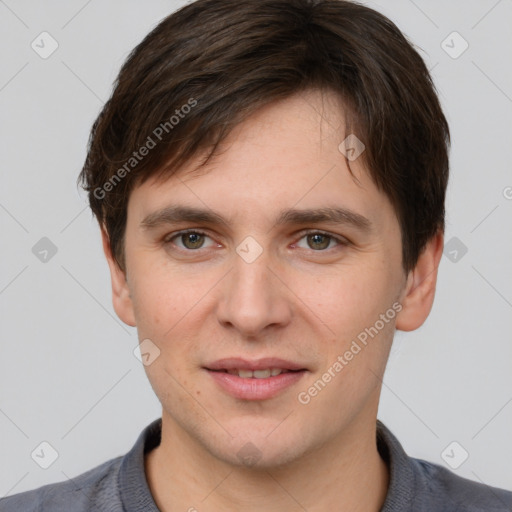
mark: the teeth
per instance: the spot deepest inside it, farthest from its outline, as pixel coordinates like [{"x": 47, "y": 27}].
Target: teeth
[
  {"x": 257, "y": 374},
  {"x": 261, "y": 374}
]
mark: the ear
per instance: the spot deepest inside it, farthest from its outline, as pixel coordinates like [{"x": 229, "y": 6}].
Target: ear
[
  {"x": 121, "y": 298},
  {"x": 418, "y": 295}
]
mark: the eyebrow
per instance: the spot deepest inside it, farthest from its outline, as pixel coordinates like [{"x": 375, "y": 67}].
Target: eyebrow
[{"x": 175, "y": 214}]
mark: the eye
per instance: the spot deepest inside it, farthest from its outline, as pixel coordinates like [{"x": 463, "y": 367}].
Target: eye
[
  {"x": 191, "y": 240},
  {"x": 319, "y": 241}
]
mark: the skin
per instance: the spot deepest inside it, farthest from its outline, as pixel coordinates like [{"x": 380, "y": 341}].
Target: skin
[{"x": 302, "y": 300}]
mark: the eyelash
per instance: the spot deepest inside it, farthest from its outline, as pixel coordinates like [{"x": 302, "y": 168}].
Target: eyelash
[{"x": 168, "y": 239}]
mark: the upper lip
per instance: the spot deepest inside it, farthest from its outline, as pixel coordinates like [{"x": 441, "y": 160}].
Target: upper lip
[{"x": 238, "y": 363}]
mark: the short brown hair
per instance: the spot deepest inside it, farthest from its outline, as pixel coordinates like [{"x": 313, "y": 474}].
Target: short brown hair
[{"x": 212, "y": 63}]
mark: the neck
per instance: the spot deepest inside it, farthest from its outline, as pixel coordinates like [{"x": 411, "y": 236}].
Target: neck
[{"x": 347, "y": 473}]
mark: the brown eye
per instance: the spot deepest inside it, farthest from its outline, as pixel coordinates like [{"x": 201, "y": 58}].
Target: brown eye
[
  {"x": 188, "y": 240},
  {"x": 192, "y": 240},
  {"x": 318, "y": 241}
]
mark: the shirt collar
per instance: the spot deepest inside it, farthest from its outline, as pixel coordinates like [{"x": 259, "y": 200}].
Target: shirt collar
[
  {"x": 402, "y": 477},
  {"x": 133, "y": 485}
]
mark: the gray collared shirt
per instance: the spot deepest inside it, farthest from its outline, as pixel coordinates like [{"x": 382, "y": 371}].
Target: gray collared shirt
[{"x": 119, "y": 485}]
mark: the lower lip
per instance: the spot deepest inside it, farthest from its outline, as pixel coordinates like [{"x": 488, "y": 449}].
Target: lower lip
[{"x": 255, "y": 389}]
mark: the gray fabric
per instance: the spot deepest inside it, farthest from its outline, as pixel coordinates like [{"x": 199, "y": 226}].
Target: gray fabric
[{"x": 119, "y": 485}]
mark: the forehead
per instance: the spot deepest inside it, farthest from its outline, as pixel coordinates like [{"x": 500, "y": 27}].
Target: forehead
[{"x": 286, "y": 154}]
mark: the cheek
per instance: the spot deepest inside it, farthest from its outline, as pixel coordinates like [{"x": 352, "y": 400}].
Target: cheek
[
  {"x": 161, "y": 298},
  {"x": 166, "y": 309},
  {"x": 349, "y": 300}
]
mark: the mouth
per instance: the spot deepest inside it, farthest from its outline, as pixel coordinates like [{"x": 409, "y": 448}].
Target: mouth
[
  {"x": 255, "y": 380},
  {"x": 256, "y": 374}
]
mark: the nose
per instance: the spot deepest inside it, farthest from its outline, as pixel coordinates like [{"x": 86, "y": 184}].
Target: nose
[{"x": 254, "y": 298}]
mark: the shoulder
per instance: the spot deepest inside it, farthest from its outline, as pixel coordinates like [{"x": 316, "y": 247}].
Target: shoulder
[
  {"x": 104, "y": 487},
  {"x": 452, "y": 492},
  {"x": 96, "y": 489},
  {"x": 422, "y": 486}
]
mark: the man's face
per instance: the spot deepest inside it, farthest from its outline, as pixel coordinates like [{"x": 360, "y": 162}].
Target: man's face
[{"x": 253, "y": 288}]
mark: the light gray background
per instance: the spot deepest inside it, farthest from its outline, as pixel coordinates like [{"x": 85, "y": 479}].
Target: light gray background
[{"x": 68, "y": 375}]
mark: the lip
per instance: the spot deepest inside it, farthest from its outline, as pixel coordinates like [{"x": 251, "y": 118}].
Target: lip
[
  {"x": 232, "y": 363},
  {"x": 253, "y": 388}
]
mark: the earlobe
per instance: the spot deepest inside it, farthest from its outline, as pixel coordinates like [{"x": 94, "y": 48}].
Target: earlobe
[
  {"x": 121, "y": 298},
  {"x": 419, "y": 291}
]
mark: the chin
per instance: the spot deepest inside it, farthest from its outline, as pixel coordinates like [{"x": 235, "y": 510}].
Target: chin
[
  {"x": 259, "y": 456},
  {"x": 258, "y": 444}
]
